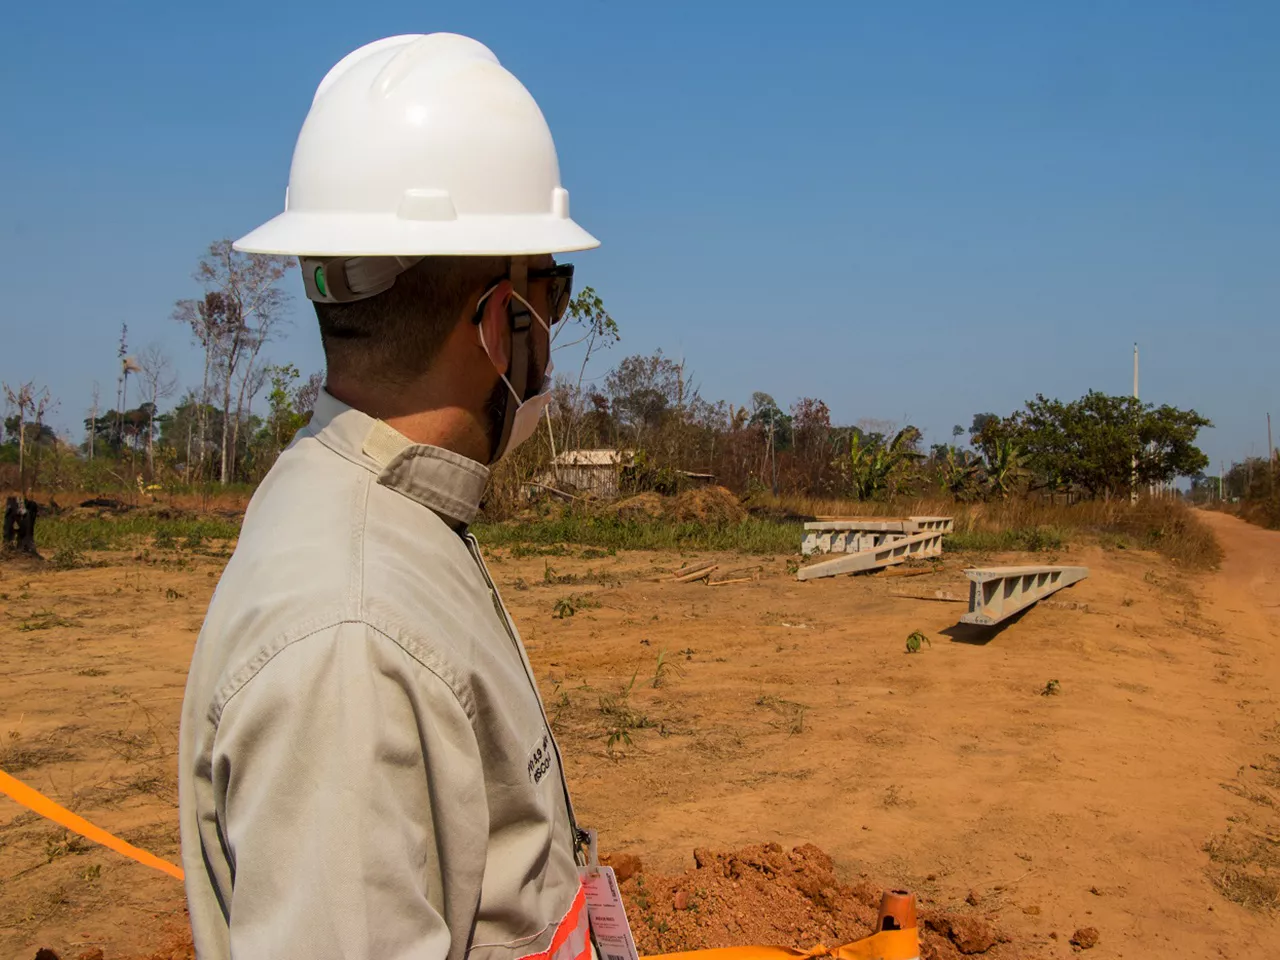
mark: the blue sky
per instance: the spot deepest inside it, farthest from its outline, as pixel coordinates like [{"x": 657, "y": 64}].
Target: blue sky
[{"x": 913, "y": 211}]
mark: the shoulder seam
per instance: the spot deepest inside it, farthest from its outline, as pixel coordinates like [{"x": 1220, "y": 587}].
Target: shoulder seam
[{"x": 268, "y": 653}]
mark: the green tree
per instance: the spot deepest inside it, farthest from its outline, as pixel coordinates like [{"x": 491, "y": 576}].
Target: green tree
[
  {"x": 1104, "y": 444},
  {"x": 284, "y": 419},
  {"x": 766, "y": 414},
  {"x": 642, "y": 390},
  {"x": 980, "y": 423}
]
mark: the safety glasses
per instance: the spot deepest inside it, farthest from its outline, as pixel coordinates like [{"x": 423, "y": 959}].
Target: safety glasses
[{"x": 560, "y": 290}]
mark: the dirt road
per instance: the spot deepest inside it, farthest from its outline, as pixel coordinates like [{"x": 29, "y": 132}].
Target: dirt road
[{"x": 1143, "y": 798}]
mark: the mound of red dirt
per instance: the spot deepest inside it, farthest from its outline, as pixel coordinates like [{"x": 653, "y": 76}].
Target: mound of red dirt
[
  {"x": 707, "y": 505},
  {"x": 764, "y": 894}
]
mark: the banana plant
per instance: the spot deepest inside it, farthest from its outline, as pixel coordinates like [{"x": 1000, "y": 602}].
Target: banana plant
[
  {"x": 1004, "y": 465},
  {"x": 958, "y": 473},
  {"x": 872, "y": 463}
]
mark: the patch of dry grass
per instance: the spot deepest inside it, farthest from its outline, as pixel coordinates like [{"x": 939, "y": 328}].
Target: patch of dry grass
[{"x": 1246, "y": 868}]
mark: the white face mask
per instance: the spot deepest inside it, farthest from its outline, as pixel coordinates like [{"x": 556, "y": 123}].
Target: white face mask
[{"x": 525, "y": 421}]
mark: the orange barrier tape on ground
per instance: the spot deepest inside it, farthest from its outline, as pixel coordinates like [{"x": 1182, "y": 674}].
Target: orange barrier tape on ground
[
  {"x": 38, "y": 802},
  {"x": 888, "y": 945}
]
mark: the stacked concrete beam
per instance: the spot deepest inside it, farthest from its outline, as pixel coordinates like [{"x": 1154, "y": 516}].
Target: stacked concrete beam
[
  {"x": 921, "y": 545},
  {"x": 996, "y": 593},
  {"x": 857, "y": 535}
]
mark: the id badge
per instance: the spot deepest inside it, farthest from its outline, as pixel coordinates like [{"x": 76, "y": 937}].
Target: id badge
[{"x": 605, "y": 910}]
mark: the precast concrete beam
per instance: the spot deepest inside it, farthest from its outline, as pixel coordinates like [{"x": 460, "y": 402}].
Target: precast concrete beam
[
  {"x": 941, "y": 524},
  {"x": 996, "y": 593},
  {"x": 927, "y": 544},
  {"x": 856, "y": 535},
  {"x": 845, "y": 541}
]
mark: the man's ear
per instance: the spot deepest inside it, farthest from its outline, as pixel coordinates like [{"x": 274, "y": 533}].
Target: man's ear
[{"x": 496, "y": 328}]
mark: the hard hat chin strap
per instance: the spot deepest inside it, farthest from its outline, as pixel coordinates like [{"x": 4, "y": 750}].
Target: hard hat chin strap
[{"x": 347, "y": 279}]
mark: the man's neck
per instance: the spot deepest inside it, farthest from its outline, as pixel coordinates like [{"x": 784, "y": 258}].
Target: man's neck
[{"x": 448, "y": 426}]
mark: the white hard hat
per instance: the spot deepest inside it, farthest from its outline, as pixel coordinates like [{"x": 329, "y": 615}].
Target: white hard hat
[{"x": 422, "y": 145}]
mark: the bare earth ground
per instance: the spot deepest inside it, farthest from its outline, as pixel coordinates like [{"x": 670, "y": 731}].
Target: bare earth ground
[{"x": 1142, "y": 799}]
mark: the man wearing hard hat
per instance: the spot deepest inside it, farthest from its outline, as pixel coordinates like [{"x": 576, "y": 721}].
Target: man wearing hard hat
[{"x": 366, "y": 770}]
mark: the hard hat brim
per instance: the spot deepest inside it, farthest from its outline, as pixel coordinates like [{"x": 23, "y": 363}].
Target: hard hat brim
[{"x": 370, "y": 235}]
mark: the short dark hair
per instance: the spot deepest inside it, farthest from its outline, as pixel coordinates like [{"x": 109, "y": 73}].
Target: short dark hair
[{"x": 394, "y": 337}]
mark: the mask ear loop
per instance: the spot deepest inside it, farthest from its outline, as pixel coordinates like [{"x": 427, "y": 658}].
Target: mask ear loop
[
  {"x": 520, "y": 347},
  {"x": 485, "y": 347}
]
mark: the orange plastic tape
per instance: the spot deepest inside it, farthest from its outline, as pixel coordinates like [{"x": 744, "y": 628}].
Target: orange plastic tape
[{"x": 38, "y": 802}]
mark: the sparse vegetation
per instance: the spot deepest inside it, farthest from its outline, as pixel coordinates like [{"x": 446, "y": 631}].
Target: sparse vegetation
[
  {"x": 792, "y": 713},
  {"x": 662, "y": 669},
  {"x": 64, "y": 843},
  {"x": 914, "y": 641},
  {"x": 1245, "y": 868},
  {"x": 569, "y": 606},
  {"x": 613, "y": 533},
  {"x": 620, "y": 717},
  {"x": 68, "y": 558},
  {"x": 78, "y": 532},
  {"x": 44, "y": 620}
]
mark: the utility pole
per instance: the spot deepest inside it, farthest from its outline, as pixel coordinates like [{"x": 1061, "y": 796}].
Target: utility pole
[{"x": 1133, "y": 477}]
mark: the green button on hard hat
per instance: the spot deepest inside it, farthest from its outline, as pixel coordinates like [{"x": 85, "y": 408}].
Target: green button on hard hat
[{"x": 422, "y": 145}]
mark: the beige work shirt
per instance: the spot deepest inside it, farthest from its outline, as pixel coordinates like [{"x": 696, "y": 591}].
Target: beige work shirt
[{"x": 365, "y": 767}]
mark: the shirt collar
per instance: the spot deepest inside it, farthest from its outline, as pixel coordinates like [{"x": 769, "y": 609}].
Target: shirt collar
[{"x": 446, "y": 482}]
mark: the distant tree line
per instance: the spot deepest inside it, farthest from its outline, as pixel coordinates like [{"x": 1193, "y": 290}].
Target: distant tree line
[
  {"x": 217, "y": 432},
  {"x": 1098, "y": 446}
]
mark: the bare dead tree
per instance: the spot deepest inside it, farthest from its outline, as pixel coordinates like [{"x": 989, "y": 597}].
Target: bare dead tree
[
  {"x": 158, "y": 383},
  {"x": 304, "y": 399},
  {"x": 122, "y": 381},
  {"x": 250, "y": 385},
  {"x": 241, "y": 308},
  {"x": 206, "y": 318},
  {"x": 30, "y": 403}
]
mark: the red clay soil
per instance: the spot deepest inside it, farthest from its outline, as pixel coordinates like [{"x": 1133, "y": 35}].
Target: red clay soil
[
  {"x": 176, "y": 945},
  {"x": 765, "y": 895}
]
